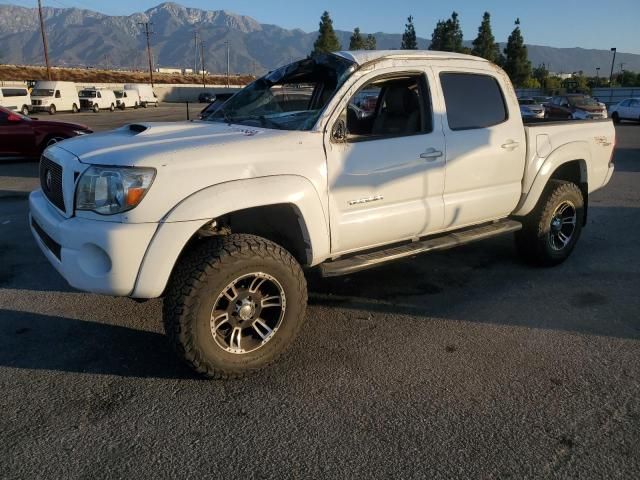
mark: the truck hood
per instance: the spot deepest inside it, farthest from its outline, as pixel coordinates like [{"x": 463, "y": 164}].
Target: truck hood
[{"x": 149, "y": 144}]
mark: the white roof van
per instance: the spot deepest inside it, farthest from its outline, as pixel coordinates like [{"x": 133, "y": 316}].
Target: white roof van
[
  {"x": 146, "y": 93},
  {"x": 15, "y": 98},
  {"x": 97, "y": 99},
  {"x": 54, "y": 96}
]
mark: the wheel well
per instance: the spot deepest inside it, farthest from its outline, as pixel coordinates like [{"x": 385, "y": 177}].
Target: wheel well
[
  {"x": 281, "y": 223},
  {"x": 575, "y": 171}
]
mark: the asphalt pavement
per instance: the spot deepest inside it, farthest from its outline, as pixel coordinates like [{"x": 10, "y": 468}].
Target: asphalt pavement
[{"x": 460, "y": 364}]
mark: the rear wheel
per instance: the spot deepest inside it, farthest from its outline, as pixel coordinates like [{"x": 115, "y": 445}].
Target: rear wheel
[
  {"x": 74, "y": 108},
  {"x": 112, "y": 108},
  {"x": 234, "y": 305},
  {"x": 550, "y": 232},
  {"x": 615, "y": 117},
  {"x": 52, "y": 140},
  {"x": 52, "y": 110}
]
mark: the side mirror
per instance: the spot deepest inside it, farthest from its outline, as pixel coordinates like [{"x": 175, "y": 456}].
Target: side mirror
[{"x": 339, "y": 131}]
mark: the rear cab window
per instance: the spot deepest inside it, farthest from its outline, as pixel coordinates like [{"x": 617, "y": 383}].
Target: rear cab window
[{"x": 473, "y": 101}]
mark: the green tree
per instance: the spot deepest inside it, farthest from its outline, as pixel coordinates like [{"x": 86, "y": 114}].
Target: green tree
[
  {"x": 357, "y": 41},
  {"x": 371, "y": 43},
  {"x": 627, "y": 79},
  {"x": 327, "y": 41},
  {"x": 517, "y": 64},
  {"x": 553, "y": 84},
  {"x": 485, "y": 45},
  {"x": 447, "y": 36},
  {"x": 409, "y": 39}
]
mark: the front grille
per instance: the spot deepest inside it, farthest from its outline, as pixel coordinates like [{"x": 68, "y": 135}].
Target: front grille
[
  {"x": 53, "y": 246},
  {"x": 84, "y": 103},
  {"x": 36, "y": 102},
  {"x": 51, "y": 182}
]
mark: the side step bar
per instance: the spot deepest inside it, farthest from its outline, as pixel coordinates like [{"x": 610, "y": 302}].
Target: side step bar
[{"x": 365, "y": 261}]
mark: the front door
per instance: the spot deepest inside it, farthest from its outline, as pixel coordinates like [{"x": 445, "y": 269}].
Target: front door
[{"x": 385, "y": 162}]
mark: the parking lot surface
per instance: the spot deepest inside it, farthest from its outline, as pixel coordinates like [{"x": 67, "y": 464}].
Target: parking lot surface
[{"x": 461, "y": 364}]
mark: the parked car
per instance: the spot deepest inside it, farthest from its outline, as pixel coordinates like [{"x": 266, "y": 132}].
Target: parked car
[
  {"x": 23, "y": 137},
  {"x": 54, "y": 96},
  {"x": 529, "y": 108},
  {"x": 220, "y": 216},
  {"x": 628, "y": 109},
  {"x": 206, "y": 97},
  {"x": 15, "y": 98},
  {"x": 145, "y": 93},
  {"x": 127, "y": 99},
  {"x": 576, "y": 106},
  {"x": 216, "y": 103},
  {"x": 96, "y": 99},
  {"x": 542, "y": 100}
]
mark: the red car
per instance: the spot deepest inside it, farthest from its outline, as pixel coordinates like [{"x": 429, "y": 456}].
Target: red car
[{"x": 23, "y": 137}]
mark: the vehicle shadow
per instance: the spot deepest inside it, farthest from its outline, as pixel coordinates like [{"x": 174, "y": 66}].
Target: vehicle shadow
[{"x": 43, "y": 342}]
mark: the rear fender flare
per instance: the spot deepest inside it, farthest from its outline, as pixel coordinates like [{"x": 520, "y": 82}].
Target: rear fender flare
[{"x": 564, "y": 154}]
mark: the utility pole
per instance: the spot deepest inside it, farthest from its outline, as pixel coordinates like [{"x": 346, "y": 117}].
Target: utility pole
[
  {"x": 598, "y": 76},
  {"x": 195, "y": 43},
  {"x": 44, "y": 40},
  {"x": 227, "y": 44},
  {"x": 148, "y": 33},
  {"x": 204, "y": 79},
  {"x": 613, "y": 62},
  {"x": 622, "y": 64}
]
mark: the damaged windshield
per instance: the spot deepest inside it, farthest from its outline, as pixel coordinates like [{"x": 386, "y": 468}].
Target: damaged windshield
[{"x": 290, "y": 98}]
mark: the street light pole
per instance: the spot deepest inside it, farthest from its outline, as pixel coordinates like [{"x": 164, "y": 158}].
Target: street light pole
[
  {"x": 227, "y": 44},
  {"x": 204, "y": 80},
  {"x": 613, "y": 62}
]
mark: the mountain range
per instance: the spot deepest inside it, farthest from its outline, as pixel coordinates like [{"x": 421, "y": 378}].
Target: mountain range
[{"x": 80, "y": 37}]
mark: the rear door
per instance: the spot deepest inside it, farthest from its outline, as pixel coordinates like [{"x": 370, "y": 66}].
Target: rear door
[{"x": 486, "y": 147}]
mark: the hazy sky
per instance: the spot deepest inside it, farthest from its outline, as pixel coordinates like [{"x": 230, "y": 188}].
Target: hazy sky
[{"x": 559, "y": 23}]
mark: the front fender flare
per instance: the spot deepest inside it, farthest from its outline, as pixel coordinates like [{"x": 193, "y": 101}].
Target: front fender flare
[
  {"x": 192, "y": 213},
  {"x": 564, "y": 154}
]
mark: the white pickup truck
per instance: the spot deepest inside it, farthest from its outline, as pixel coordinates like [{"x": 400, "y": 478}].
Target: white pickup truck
[{"x": 220, "y": 216}]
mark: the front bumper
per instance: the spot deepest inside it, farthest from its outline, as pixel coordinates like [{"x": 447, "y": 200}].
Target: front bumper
[{"x": 96, "y": 256}]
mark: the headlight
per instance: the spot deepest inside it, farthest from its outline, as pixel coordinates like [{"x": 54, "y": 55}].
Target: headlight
[
  {"x": 80, "y": 132},
  {"x": 112, "y": 190}
]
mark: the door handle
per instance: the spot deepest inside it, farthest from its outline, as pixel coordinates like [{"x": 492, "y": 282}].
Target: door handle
[
  {"x": 511, "y": 145},
  {"x": 431, "y": 154}
]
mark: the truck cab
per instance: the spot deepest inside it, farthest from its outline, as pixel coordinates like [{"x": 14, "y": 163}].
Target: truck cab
[{"x": 339, "y": 162}]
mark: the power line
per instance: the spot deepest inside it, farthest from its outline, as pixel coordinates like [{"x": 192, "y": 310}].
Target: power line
[{"x": 148, "y": 33}]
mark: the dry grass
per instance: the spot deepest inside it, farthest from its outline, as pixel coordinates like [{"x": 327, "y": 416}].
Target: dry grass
[{"x": 16, "y": 73}]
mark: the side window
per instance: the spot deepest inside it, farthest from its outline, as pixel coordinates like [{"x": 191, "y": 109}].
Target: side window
[
  {"x": 625, "y": 103},
  {"x": 57, "y": 93},
  {"x": 635, "y": 103},
  {"x": 389, "y": 107},
  {"x": 99, "y": 95},
  {"x": 473, "y": 101}
]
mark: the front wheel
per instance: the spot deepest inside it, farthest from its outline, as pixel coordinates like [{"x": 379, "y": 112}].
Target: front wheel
[
  {"x": 25, "y": 111},
  {"x": 550, "y": 232},
  {"x": 615, "y": 117},
  {"x": 96, "y": 108},
  {"x": 52, "y": 110},
  {"x": 234, "y": 305}
]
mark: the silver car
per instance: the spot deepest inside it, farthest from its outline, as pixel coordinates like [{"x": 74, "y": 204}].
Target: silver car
[{"x": 529, "y": 108}]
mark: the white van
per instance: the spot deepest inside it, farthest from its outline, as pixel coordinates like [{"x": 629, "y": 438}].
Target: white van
[
  {"x": 97, "y": 99},
  {"x": 145, "y": 92},
  {"x": 127, "y": 99},
  {"x": 15, "y": 98},
  {"x": 54, "y": 96}
]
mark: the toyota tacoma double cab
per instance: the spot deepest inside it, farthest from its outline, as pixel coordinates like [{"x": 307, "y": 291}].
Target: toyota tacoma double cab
[{"x": 221, "y": 216}]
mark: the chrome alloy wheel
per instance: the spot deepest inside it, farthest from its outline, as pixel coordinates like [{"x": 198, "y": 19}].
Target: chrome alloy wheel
[
  {"x": 248, "y": 313},
  {"x": 563, "y": 226}
]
